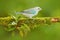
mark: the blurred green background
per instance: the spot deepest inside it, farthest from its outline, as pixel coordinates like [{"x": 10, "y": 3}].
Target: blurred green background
[{"x": 50, "y": 8}]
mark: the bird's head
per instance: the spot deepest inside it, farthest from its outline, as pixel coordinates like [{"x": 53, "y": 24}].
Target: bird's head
[{"x": 38, "y": 8}]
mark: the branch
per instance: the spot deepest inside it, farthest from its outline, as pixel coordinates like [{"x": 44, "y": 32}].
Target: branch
[{"x": 23, "y": 25}]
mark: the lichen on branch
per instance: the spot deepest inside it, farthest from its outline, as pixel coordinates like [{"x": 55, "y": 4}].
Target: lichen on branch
[{"x": 24, "y": 25}]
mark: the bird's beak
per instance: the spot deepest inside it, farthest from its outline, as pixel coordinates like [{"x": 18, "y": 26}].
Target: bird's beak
[{"x": 40, "y": 8}]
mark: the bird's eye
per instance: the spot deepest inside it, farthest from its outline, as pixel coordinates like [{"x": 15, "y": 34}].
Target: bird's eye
[{"x": 38, "y": 8}]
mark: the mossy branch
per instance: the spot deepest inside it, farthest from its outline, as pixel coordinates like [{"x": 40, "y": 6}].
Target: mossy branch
[{"x": 23, "y": 25}]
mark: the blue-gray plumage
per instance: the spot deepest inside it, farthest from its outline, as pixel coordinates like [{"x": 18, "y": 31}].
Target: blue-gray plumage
[{"x": 30, "y": 12}]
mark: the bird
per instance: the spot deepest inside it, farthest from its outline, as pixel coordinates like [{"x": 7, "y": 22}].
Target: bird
[{"x": 30, "y": 12}]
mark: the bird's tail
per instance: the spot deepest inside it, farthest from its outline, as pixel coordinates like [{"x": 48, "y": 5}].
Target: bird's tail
[{"x": 17, "y": 12}]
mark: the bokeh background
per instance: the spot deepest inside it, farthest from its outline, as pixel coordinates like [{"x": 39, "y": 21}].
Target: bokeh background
[{"x": 50, "y": 8}]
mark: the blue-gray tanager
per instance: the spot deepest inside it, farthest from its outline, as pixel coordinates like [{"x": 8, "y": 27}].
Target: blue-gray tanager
[{"x": 30, "y": 12}]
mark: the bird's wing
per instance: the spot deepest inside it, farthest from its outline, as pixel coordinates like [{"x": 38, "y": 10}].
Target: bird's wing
[{"x": 29, "y": 11}]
